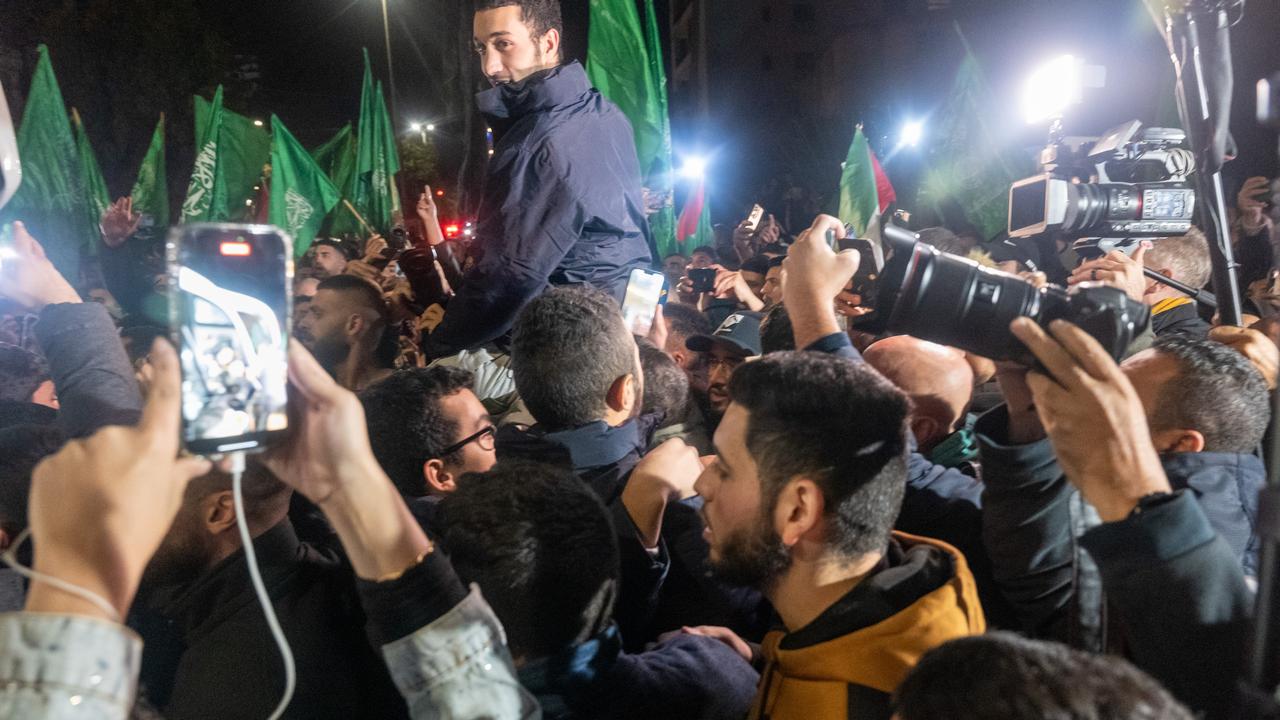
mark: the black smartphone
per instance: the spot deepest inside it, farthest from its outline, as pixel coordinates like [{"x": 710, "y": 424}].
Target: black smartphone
[
  {"x": 866, "y": 279},
  {"x": 704, "y": 280},
  {"x": 229, "y": 316}
]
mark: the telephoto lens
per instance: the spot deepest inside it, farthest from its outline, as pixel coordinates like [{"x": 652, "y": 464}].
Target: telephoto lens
[{"x": 955, "y": 301}]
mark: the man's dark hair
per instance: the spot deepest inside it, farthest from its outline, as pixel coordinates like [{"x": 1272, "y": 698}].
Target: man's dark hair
[
  {"x": 138, "y": 339},
  {"x": 567, "y": 349},
  {"x": 21, "y": 373},
  {"x": 539, "y": 15},
  {"x": 406, "y": 425},
  {"x": 706, "y": 250},
  {"x": 21, "y": 449},
  {"x": 776, "y": 333},
  {"x": 1218, "y": 392},
  {"x": 666, "y": 386},
  {"x": 774, "y": 249},
  {"x": 668, "y": 256},
  {"x": 370, "y": 296},
  {"x": 758, "y": 264},
  {"x": 540, "y": 545},
  {"x": 1001, "y": 676},
  {"x": 837, "y": 422},
  {"x": 265, "y": 496},
  {"x": 686, "y": 320},
  {"x": 777, "y": 261}
]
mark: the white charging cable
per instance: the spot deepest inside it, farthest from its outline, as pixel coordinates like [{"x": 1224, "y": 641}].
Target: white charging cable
[
  {"x": 10, "y": 557},
  {"x": 268, "y": 610}
]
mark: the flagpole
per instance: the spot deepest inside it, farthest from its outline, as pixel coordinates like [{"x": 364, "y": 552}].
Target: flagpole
[
  {"x": 359, "y": 217},
  {"x": 391, "y": 73}
]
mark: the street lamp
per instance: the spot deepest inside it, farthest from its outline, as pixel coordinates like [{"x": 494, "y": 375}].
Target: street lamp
[{"x": 391, "y": 73}]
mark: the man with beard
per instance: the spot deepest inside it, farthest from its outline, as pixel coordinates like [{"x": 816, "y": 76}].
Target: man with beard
[
  {"x": 205, "y": 632},
  {"x": 810, "y": 471},
  {"x": 347, "y": 328},
  {"x": 562, "y": 201},
  {"x": 732, "y": 344}
]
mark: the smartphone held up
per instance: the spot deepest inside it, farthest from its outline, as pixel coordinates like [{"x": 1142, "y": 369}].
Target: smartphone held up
[{"x": 229, "y": 311}]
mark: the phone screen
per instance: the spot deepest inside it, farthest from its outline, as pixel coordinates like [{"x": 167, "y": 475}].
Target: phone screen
[
  {"x": 644, "y": 292},
  {"x": 753, "y": 220},
  {"x": 229, "y": 305}
]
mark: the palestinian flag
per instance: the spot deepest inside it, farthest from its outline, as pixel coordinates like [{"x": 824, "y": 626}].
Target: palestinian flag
[
  {"x": 695, "y": 219},
  {"x": 865, "y": 193}
]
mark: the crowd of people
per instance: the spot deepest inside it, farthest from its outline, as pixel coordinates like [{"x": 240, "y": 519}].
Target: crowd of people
[{"x": 495, "y": 501}]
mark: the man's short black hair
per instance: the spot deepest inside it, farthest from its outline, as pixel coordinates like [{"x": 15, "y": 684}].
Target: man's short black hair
[
  {"x": 758, "y": 264},
  {"x": 839, "y": 423},
  {"x": 21, "y": 373},
  {"x": 706, "y": 250},
  {"x": 406, "y": 424},
  {"x": 568, "y": 347},
  {"x": 539, "y": 15},
  {"x": 686, "y": 320},
  {"x": 1001, "y": 676},
  {"x": 668, "y": 256},
  {"x": 369, "y": 296},
  {"x": 777, "y": 261},
  {"x": 776, "y": 334},
  {"x": 666, "y": 386},
  {"x": 1218, "y": 392},
  {"x": 539, "y": 543}
]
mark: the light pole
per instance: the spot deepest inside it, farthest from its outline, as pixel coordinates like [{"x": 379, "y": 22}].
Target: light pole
[{"x": 391, "y": 73}]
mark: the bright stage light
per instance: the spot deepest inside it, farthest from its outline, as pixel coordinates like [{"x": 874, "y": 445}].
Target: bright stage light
[
  {"x": 912, "y": 133},
  {"x": 1052, "y": 88},
  {"x": 694, "y": 168}
]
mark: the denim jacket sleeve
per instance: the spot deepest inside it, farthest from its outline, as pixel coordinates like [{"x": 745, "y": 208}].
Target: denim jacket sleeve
[
  {"x": 64, "y": 667},
  {"x": 459, "y": 667}
]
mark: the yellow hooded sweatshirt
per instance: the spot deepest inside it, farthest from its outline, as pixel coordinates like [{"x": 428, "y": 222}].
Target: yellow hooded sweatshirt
[{"x": 848, "y": 661}]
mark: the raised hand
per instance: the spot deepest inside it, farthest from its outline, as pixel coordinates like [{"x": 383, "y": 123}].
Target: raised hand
[
  {"x": 1117, "y": 270},
  {"x": 28, "y": 278},
  {"x": 119, "y": 222},
  {"x": 1250, "y": 202},
  {"x": 101, "y": 506}
]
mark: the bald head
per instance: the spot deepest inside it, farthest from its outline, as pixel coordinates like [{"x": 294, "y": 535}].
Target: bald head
[{"x": 937, "y": 378}]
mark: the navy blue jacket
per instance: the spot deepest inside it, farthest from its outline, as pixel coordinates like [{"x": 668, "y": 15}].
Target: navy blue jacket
[
  {"x": 1033, "y": 519},
  {"x": 562, "y": 205}
]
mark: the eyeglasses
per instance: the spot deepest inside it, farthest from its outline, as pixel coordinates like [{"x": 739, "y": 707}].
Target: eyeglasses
[{"x": 484, "y": 439}]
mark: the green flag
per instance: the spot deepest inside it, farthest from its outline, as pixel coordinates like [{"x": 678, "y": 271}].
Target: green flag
[
  {"x": 624, "y": 62},
  {"x": 971, "y": 171},
  {"x": 337, "y": 158},
  {"x": 151, "y": 189},
  {"x": 51, "y": 198},
  {"x": 96, "y": 197},
  {"x": 859, "y": 203},
  {"x": 230, "y": 154},
  {"x": 373, "y": 191},
  {"x": 301, "y": 193}
]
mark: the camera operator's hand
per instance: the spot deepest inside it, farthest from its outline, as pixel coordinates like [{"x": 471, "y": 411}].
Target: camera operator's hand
[
  {"x": 731, "y": 286},
  {"x": 1094, "y": 419},
  {"x": 119, "y": 222},
  {"x": 812, "y": 276},
  {"x": 1251, "y": 204},
  {"x": 328, "y": 459},
  {"x": 1255, "y": 346},
  {"x": 29, "y": 279},
  {"x": 1117, "y": 270},
  {"x": 374, "y": 247},
  {"x": 101, "y": 506}
]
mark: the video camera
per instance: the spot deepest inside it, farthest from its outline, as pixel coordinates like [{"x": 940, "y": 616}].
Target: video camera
[{"x": 1131, "y": 183}]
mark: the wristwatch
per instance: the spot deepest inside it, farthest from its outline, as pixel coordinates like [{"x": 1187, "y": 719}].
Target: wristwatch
[{"x": 1149, "y": 501}]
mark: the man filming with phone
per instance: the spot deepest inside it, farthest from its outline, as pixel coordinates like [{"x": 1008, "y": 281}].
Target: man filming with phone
[{"x": 562, "y": 202}]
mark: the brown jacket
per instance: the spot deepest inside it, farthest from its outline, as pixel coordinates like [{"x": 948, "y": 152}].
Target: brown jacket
[{"x": 847, "y": 662}]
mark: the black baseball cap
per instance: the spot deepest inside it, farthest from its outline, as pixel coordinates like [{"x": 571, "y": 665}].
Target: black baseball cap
[{"x": 741, "y": 331}]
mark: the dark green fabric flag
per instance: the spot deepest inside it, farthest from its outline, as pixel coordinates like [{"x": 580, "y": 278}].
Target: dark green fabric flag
[
  {"x": 231, "y": 153},
  {"x": 51, "y": 198},
  {"x": 377, "y": 161},
  {"x": 624, "y": 62},
  {"x": 337, "y": 158},
  {"x": 151, "y": 189},
  {"x": 96, "y": 198},
  {"x": 301, "y": 193},
  {"x": 971, "y": 171}
]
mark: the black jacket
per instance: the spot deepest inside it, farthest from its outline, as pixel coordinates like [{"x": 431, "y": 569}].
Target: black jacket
[
  {"x": 1181, "y": 320},
  {"x": 1033, "y": 519},
  {"x": 687, "y": 677},
  {"x": 211, "y": 655},
  {"x": 562, "y": 205}
]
